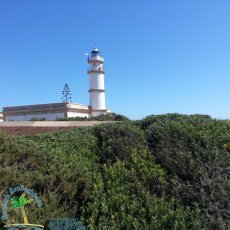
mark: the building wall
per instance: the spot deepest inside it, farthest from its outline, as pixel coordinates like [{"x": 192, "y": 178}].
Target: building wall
[
  {"x": 47, "y": 116},
  {"x": 77, "y": 114},
  {"x": 96, "y": 113},
  {"x": 1, "y": 117}
]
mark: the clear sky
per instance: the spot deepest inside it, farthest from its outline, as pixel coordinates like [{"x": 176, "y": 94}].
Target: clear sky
[{"x": 161, "y": 56}]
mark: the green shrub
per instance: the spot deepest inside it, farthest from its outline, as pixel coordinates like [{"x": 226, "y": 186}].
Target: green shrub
[
  {"x": 121, "y": 201},
  {"x": 188, "y": 147},
  {"x": 164, "y": 172},
  {"x": 61, "y": 172},
  {"x": 116, "y": 141}
]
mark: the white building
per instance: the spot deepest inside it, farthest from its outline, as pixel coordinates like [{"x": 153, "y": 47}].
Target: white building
[
  {"x": 52, "y": 111},
  {"x": 1, "y": 117}
]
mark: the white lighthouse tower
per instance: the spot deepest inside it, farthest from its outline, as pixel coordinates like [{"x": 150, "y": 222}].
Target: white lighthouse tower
[{"x": 96, "y": 83}]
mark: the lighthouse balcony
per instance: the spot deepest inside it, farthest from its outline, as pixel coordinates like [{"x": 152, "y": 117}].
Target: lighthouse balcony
[
  {"x": 97, "y": 59},
  {"x": 96, "y": 70}
]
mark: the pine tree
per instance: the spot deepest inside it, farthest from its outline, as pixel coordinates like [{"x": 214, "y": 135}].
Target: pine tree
[{"x": 66, "y": 94}]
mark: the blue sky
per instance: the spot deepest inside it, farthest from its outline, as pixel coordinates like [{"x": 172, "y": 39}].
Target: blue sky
[{"x": 160, "y": 56}]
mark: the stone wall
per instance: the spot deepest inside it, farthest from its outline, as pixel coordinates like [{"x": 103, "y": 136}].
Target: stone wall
[{"x": 36, "y": 127}]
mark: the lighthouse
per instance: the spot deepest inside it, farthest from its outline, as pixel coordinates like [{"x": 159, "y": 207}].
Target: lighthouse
[
  {"x": 96, "y": 83},
  {"x": 52, "y": 111}
]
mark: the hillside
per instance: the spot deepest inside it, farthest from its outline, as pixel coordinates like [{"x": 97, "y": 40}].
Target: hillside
[{"x": 163, "y": 172}]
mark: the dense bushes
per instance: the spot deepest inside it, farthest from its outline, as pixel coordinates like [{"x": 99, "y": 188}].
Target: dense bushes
[
  {"x": 195, "y": 152},
  {"x": 164, "y": 172},
  {"x": 116, "y": 142},
  {"x": 121, "y": 200},
  {"x": 60, "y": 171}
]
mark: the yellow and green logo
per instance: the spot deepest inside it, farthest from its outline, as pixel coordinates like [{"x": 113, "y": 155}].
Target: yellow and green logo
[{"x": 19, "y": 203}]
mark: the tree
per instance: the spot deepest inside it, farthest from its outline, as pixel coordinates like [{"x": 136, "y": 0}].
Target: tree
[{"x": 66, "y": 94}]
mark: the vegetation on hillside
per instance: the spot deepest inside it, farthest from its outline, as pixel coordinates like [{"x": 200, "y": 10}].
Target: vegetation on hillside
[{"x": 163, "y": 172}]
